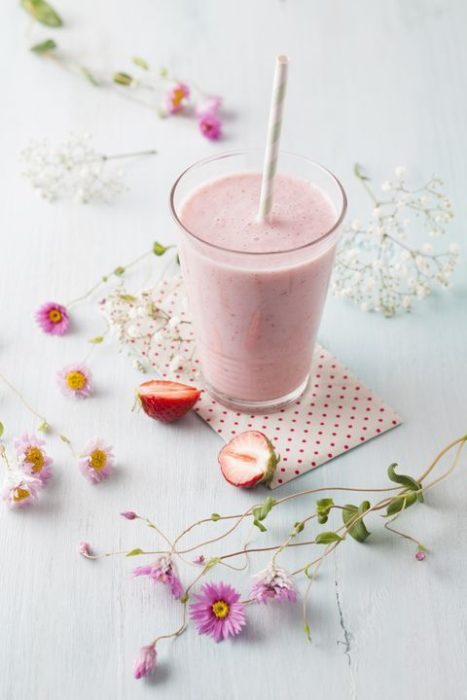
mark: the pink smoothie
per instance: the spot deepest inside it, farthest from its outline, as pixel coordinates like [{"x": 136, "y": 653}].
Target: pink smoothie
[{"x": 256, "y": 316}]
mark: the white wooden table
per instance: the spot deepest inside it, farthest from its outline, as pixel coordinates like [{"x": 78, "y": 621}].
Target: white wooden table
[{"x": 381, "y": 83}]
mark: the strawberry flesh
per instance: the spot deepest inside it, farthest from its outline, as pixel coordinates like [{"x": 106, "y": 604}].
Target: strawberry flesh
[
  {"x": 247, "y": 460},
  {"x": 167, "y": 401}
]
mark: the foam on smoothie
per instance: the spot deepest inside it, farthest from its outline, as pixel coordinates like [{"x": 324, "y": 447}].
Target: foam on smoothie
[{"x": 224, "y": 212}]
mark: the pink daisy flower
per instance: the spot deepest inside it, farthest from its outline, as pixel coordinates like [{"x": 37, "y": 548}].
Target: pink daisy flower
[
  {"x": 32, "y": 457},
  {"x": 176, "y": 97},
  {"x": 75, "y": 380},
  {"x": 163, "y": 570},
  {"x": 273, "y": 584},
  {"x": 97, "y": 460},
  {"x": 21, "y": 490},
  {"x": 210, "y": 126},
  {"x": 218, "y": 611},
  {"x": 208, "y": 105},
  {"x": 145, "y": 662},
  {"x": 52, "y": 318}
]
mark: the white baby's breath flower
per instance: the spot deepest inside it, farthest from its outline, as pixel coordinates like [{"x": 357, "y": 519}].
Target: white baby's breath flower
[{"x": 378, "y": 266}]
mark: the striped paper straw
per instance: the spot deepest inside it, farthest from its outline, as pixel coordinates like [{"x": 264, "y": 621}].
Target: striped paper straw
[{"x": 274, "y": 134}]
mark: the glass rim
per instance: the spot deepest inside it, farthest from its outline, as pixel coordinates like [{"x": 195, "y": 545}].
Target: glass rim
[{"x": 230, "y": 154}]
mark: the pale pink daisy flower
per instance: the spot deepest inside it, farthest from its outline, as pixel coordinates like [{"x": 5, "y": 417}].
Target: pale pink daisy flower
[
  {"x": 163, "y": 570},
  {"x": 32, "y": 457},
  {"x": 145, "y": 662},
  {"x": 217, "y": 611},
  {"x": 21, "y": 490},
  {"x": 273, "y": 584},
  {"x": 176, "y": 97},
  {"x": 210, "y": 126},
  {"x": 75, "y": 380},
  {"x": 209, "y": 104},
  {"x": 97, "y": 460},
  {"x": 52, "y": 318}
]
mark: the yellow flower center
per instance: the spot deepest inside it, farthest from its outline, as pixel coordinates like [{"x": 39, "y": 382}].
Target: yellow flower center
[
  {"x": 97, "y": 459},
  {"x": 20, "y": 494},
  {"x": 220, "y": 609},
  {"x": 178, "y": 96},
  {"x": 76, "y": 380},
  {"x": 35, "y": 456},
  {"x": 55, "y": 315}
]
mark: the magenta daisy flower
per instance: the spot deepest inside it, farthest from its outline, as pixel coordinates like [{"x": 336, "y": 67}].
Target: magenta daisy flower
[
  {"x": 210, "y": 126},
  {"x": 97, "y": 460},
  {"x": 145, "y": 662},
  {"x": 273, "y": 584},
  {"x": 176, "y": 98},
  {"x": 163, "y": 570},
  {"x": 32, "y": 457},
  {"x": 52, "y": 318},
  {"x": 217, "y": 611},
  {"x": 75, "y": 380},
  {"x": 21, "y": 490}
]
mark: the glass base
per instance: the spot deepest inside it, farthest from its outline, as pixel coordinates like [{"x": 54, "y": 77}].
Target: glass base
[{"x": 261, "y": 407}]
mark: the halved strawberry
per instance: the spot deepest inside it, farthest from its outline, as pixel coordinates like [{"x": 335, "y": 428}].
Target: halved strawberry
[
  {"x": 248, "y": 459},
  {"x": 167, "y": 401}
]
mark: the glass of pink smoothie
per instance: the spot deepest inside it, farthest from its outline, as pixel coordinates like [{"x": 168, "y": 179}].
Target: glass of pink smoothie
[{"x": 255, "y": 290}]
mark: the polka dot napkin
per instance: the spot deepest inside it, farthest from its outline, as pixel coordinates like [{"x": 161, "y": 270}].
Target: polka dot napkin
[{"x": 337, "y": 412}]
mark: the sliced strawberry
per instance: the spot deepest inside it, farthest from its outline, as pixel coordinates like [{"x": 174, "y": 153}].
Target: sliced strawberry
[
  {"x": 167, "y": 401},
  {"x": 248, "y": 459}
]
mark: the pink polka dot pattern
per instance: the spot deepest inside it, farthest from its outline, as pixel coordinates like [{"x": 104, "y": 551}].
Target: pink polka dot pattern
[{"x": 337, "y": 412}]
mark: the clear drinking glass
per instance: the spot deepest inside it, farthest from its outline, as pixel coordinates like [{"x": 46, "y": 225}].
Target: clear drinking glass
[{"x": 256, "y": 315}]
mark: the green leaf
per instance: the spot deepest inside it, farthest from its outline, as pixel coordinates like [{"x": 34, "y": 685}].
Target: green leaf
[
  {"x": 327, "y": 538},
  {"x": 127, "y": 297},
  {"x": 259, "y": 525},
  {"x": 323, "y": 508},
  {"x": 401, "y": 503},
  {"x": 42, "y": 12},
  {"x": 119, "y": 271},
  {"x": 261, "y": 511},
  {"x": 307, "y": 631},
  {"x": 64, "y": 439},
  {"x": 44, "y": 46},
  {"x": 358, "y": 530},
  {"x": 123, "y": 79},
  {"x": 359, "y": 172},
  {"x": 163, "y": 72},
  {"x": 215, "y": 516},
  {"x": 43, "y": 427},
  {"x": 211, "y": 563},
  {"x": 86, "y": 73},
  {"x": 140, "y": 62},
  {"x": 2, "y": 429},
  {"x": 403, "y": 479},
  {"x": 96, "y": 340},
  {"x": 135, "y": 552},
  {"x": 298, "y": 527},
  {"x": 159, "y": 249}
]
